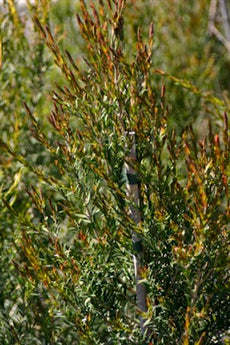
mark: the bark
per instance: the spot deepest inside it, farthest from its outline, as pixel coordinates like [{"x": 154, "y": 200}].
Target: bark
[{"x": 134, "y": 196}]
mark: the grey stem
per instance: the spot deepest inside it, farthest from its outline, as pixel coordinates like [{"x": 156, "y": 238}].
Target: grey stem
[
  {"x": 225, "y": 16},
  {"x": 213, "y": 11},
  {"x": 134, "y": 196}
]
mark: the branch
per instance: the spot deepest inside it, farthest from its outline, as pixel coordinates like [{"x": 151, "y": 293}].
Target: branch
[
  {"x": 220, "y": 37},
  {"x": 133, "y": 195},
  {"x": 225, "y": 17},
  {"x": 212, "y": 12},
  {"x": 225, "y": 22}
]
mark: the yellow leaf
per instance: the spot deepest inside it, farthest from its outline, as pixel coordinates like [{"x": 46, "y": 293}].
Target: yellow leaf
[{"x": 13, "y": 12}]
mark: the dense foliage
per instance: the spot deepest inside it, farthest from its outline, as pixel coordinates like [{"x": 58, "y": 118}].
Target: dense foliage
[{"x": 67, "y": 273}]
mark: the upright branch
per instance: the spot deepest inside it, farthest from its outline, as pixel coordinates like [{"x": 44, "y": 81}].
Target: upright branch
[{"x": 133, "y": 195}]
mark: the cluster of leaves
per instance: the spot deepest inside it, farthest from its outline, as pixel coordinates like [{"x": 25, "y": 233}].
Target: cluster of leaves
[
  {"x": 22, "y": 77},
  {"x": 71, "y": 277},
  {"x": 183, "y": 47}
]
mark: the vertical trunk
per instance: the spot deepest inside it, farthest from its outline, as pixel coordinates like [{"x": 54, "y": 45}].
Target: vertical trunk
[{"x": 133, "y": 195}]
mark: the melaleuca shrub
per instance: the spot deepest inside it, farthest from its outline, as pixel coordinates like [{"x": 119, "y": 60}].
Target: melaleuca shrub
[{"x": 74, "y": 236}]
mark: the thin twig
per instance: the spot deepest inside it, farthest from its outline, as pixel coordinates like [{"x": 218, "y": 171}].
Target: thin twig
[
  {"x": 213, "y": 10},
  {"x": 220, "y": 37},
  {"x": 225, "y": 17}
]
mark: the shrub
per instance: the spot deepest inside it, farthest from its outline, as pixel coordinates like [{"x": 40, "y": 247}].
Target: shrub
[{"x": 73, "y": 235}]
